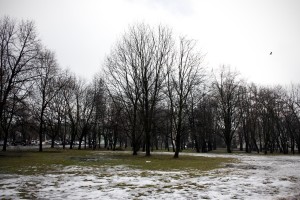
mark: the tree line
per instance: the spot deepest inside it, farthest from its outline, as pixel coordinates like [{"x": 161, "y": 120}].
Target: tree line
[{"x": 154, "y": 92}]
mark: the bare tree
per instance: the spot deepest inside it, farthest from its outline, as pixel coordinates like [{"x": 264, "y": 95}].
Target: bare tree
[
  {"x": 227, "y": 96},
  {"x": 202, "y": 123},
  {"x": 137, "y": 69},
  {"x": 48, "y": 85},
  {"x": 86, "y": 109},
  {"x": 154, "y": 58},
  {"x": 100, "y": 110},
  {"x": 293, "y": 117},
  {"x": 267, "y": 118},
  {"x": 14, "y": 109},
  {"x": 73, "y": 98},
  {"x": 124, "y": 87},
  {"x": 55, "y": 116},
  {"x": 19, "y": 48},
  {"x": 187, "y": 73}
]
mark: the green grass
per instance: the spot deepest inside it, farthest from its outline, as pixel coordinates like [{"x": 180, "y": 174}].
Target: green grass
[
  {"x": 167, "y": 162},
  {"x": 29, "y": 162}
]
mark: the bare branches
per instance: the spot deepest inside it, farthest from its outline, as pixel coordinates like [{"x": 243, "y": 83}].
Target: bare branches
[
  {"x": 227, "y": 95},
  {"x": 184, "y": 75},
  {"x": 49, "y": 82},
  {"x": 136, "y": 69},
  {"x": 19, "y": 47},
  {"x": 142, "y": 64}
]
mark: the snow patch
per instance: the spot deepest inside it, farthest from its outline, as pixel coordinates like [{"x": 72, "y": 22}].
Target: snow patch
[{"x": 254, "y": 177}]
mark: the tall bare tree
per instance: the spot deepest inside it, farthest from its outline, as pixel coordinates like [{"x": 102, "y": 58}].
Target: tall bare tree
[
  {"x": 124, "y": 87},
  {"x": 100, "y": 109},
  {"x": 227, "y": 96},
  {"x": 19, "y": 47},
  {"x": 73, "y": 95},
  {"x": 86, "y": 110},
  {"x": 293, "y": 119},
  {"x": 55, "y": 116},
  {"x": 202, "y": 122},
  {"x": 186, "y": 74},
  {"x": 137, "y": 69},
  {"x": 48, "y": 85}
]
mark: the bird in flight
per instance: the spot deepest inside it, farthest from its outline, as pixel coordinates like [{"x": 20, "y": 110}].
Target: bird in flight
[{"x": 271, "y": 53}]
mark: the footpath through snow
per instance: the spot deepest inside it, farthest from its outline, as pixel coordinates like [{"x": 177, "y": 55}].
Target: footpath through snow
[{"x": 254, "y": 177}]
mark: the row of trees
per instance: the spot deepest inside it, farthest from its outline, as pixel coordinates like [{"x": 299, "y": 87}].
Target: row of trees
[
  {"x": 157, "y": 79},
  {"x": 148, "y": 70},
  {"x": 155, "y": 92},
  {"x": 38, "y": 98}
]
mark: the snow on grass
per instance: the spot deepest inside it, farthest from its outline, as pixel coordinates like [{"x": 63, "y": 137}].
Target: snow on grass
[{"x": 254, "y": 177}]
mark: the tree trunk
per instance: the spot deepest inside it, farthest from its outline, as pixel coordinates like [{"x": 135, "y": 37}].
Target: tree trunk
[
  {"x": 80, "y": 141},
  {"x": 135, "y": 150},
  {"x": 134, "y": 142},
  {"x": 178, "y": 140},
  {"x": 228, "y": 141},
  {"x": 209, "y": 146},
  {"x": 73, "y": 134},
  {"x": 148, "y": 141},
  {"x": 197, "y": 146},
  {"x": 5, "y": 140},
  {"x": 177, "y": 148},
  {"x": 204, "y": 146},
  {"x": 52, "y": 143},
  {"x": 241, "y": 141},
  {"x": 229, "y": 148},
  {"x": 41, "y": 131}
]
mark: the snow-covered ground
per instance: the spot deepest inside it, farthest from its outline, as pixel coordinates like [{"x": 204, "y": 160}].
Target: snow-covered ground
[{"x": 254, "y": 177}]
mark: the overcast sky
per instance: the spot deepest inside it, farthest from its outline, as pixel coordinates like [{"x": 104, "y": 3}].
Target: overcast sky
[{"x": 239, "y": 33}]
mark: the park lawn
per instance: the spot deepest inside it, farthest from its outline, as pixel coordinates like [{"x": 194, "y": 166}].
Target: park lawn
[{"x": 53, "y": 160}]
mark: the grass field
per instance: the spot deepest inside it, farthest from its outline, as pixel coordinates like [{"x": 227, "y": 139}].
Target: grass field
[
  {"x": 31, "y": 162},
  {"x": 84, "y": 174}
]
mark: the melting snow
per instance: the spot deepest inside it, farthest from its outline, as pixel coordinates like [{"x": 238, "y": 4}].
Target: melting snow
[{"x": 254, "y": 177}]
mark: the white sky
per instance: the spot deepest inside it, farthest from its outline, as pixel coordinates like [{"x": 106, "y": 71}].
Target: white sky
[{"x": 239, "y": 33}]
